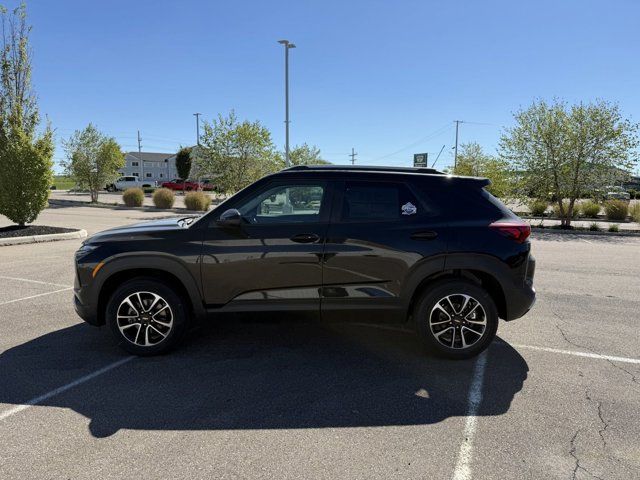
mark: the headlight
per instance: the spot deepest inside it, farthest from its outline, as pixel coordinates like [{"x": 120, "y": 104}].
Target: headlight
[{"x": 84, "y": 250}]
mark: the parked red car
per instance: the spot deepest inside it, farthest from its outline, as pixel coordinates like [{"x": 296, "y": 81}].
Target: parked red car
[
  {"x": 180, "y": 185},
  {"x": 188, "y": 185}
]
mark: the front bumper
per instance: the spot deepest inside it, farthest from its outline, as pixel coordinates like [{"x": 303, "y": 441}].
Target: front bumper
[{"x": 86, "y": 312}]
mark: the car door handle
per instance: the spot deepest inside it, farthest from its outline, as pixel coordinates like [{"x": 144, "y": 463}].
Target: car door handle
[
  {"x": 305, "y": 238},
  {"x": 424, "y": 235}
]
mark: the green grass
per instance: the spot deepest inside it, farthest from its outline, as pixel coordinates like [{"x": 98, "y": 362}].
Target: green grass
[{"x": 62, "y": 182}]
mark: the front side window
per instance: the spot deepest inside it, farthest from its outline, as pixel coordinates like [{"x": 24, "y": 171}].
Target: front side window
[
  {"x": 379, "y": 202},
  {"x": 285, "y": 204}
]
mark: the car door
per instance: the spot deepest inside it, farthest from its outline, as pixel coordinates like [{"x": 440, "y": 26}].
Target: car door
[
  {"x": 381, "y": 231},
  {"x": 272, "y": 261}
]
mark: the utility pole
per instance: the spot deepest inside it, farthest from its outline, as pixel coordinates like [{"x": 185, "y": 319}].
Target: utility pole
[
  {"x": 353, "y": 156},
  {"x": 455, "y": 155},
  {"x": 140, "y": 157},
  {"x": 197, "y": 115},
  {"x": 287, "y": 45}
]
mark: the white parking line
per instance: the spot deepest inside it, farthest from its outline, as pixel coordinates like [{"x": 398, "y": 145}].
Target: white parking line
[
  {"x": 35, "y": 296},
  {"x": 33, "y": 281},
  {"x": 576, "y": 353},
  {"x": 64, "y": 388},
  {"x": 463, "y": 465}
]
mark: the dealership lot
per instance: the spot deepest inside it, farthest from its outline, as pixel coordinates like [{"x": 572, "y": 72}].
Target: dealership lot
[{"x": 556, "y": 397}]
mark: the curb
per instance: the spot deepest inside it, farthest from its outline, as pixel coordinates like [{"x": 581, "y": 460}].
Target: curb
[
  {"x": 556, "y": 231},
  {"x": 50, "y": 237}
]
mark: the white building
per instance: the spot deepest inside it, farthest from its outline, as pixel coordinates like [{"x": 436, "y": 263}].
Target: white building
[{"x": 159, "y": 167}]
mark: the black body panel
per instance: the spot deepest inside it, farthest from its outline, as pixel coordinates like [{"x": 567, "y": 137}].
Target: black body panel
[{"x": 358, "y": 251}]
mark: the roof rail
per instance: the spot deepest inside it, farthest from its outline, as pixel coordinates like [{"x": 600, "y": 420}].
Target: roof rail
[{"x": 366, "y": 168}]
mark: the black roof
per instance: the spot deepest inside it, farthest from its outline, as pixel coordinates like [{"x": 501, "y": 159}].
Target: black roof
[
  {"x": 365, "y": 168},
  {"x": 432, "y": 173}
]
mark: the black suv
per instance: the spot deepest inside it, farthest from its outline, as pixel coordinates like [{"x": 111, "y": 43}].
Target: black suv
[{"x": 412, "y": 246}]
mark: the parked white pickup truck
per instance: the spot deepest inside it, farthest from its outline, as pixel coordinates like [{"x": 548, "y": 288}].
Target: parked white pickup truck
[{"x": 129, "y": 182}]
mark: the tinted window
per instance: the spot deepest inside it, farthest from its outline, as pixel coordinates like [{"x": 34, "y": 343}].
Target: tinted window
[
  {"x": 465, "y": 202},
  {"x": 378, "y": 201},
  {"x": 285, "y": 204}
]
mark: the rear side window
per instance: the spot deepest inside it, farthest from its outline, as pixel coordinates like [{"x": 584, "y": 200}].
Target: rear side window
[
  {"x": 466, "y": 202},
  {"x": 378, "y": 202}
]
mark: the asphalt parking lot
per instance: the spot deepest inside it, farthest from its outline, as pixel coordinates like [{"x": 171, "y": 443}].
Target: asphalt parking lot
[{"x": 556, "y": 396}]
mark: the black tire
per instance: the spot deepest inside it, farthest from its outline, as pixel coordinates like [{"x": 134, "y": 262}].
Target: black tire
[
  {"x": 148, "y": 287},
  {"x": 466, "y": 322}
]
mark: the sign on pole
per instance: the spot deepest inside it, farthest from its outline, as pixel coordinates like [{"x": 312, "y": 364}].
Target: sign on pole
[{"x": 420, "y": 159}]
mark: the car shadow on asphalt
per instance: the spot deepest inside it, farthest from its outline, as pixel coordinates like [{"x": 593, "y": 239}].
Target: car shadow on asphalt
[{"x": 258, "y": 376}]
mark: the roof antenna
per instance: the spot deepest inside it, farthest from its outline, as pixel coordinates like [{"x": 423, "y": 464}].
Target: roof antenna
[{"x": 434, "y": 162}]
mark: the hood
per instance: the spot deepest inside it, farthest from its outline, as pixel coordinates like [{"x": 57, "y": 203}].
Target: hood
[{"x": 143, "y": 228}]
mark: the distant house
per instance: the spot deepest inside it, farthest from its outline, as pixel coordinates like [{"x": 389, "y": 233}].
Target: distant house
[{"x": 152, "y": 166}]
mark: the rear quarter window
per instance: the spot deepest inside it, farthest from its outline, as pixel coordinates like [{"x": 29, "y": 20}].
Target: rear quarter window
[{"x": 465, "y": 202}]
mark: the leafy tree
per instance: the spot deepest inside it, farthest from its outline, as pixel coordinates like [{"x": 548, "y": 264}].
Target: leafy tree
[
  {"x": 473, "y": 161},
  {"x": 560, "y": 151},
  {"x": 236, "y": 153},
  {"x": 306, "y": 155},
  {"x": 183, "y": 162},
  {"x": 93, "y": 159},
  {"x": 26, "y": 156}
]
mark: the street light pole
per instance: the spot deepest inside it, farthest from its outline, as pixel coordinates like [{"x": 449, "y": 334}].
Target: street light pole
[
  {"x": 287, "y": 45},
  {"x": 197, "y": 115}
]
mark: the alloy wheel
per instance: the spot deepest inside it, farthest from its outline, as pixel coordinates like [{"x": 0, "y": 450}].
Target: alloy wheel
[
  {"x": 144, "y": 318},
  {"x": 458, "y": 321}
]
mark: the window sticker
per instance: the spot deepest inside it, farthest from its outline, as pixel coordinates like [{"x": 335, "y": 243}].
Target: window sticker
[{"x": 409, "y": 209}]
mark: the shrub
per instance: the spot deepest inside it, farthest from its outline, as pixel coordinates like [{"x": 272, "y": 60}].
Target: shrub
[
  {"x": 614, "y": 227},
  {"x": 634, "y": 212},
  {"x": 197, "y": 201},
  {"x": 538, "y": 207},
  {"x": 590, "y": 209},
  {"x": 594, "y": 227},
  {"x": 616, "y": 209},
  {"x": 163, "y": 198},
  {"x": 565, "y": 204},
  {"x": 133, "y": 197}
]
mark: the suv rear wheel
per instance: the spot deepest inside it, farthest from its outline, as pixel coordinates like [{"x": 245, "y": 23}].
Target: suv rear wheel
[
  {"x": 146, "y": 316},
  {"x": 456, "y": 318}
]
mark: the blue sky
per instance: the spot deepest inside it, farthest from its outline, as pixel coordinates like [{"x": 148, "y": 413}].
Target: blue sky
[{"x": 387, "y": 78}]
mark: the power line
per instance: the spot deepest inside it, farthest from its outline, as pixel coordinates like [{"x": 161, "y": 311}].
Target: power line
[{"x": 429, "y": 136}]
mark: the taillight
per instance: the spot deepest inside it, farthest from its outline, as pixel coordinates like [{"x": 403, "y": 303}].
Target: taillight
[{"x": 517, "y": 231}]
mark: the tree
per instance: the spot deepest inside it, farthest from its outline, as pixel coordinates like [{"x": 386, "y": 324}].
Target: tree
[
  {"x": 474, "y": 162},
  {"x": 561, "y": 152},
  {"x": 26, "y": 156},
  {"x": 236, "y": 153},
  {"x": 306, "y": 155},
  {"x": 183, "y": 162},
  {"x": 93, "y": 159}
]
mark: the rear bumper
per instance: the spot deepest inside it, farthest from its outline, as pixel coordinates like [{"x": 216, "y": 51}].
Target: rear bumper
[
  {"x": 521, "y": 299},
  {"x": 519, "y": 302}
]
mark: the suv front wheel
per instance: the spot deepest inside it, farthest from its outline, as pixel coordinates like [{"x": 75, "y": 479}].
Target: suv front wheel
[
  {"x": 456, "y": 318},
  {"x": 146, "y": 316}
]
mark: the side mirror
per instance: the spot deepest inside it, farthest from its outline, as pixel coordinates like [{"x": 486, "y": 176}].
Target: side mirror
[{"x": 230, "y": 218}]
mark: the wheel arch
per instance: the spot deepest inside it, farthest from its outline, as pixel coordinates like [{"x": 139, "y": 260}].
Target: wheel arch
[
  {"x": 472, "y": 271},
  {"x": 115, "y": 272}
]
